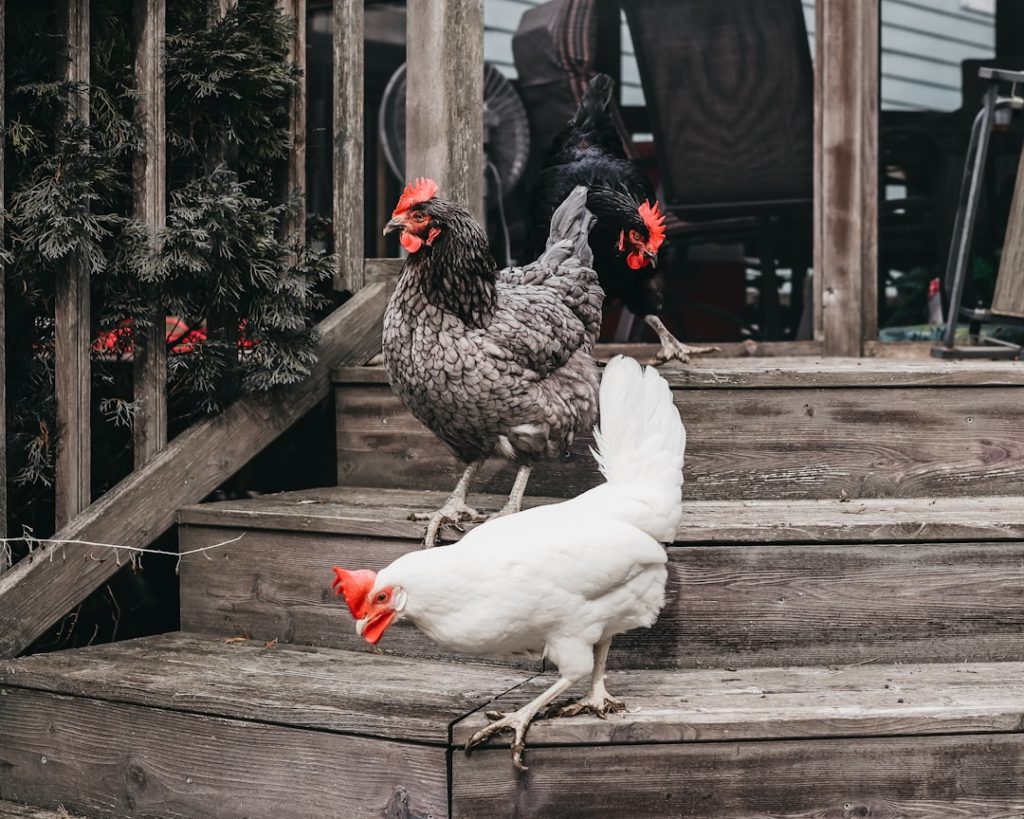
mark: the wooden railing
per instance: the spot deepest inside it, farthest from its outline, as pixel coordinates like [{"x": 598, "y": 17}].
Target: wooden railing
[{"x": 446, "y": 144}]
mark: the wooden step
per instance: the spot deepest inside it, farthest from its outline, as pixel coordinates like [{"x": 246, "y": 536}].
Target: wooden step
[
  {"x": 190, "y": 725},
  {"x": 184, "y": 725},
  {"x": 751, "y": 583},
  {"x": 757, "y": 429}
]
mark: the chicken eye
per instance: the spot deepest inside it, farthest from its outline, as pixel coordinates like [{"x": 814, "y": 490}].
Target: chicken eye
[
  {"x": 635, "y": 237},
  {"x": 417, "y": 216},
  {"x": 382, "y": 597}
]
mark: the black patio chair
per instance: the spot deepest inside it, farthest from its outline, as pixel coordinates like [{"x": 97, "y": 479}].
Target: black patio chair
[{"x": 730, "y": 97}]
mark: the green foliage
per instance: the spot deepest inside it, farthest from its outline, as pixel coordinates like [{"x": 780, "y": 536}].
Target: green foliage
[{"x": 222, "y": 253}]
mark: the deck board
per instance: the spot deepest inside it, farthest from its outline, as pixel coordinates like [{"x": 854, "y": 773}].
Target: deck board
[
  {"x": 385, "y": 513},
  {"x": 343, "y": 692}
]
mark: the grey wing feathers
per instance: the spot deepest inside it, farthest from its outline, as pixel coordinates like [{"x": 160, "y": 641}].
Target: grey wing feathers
[{"x": 566, "y": 264}]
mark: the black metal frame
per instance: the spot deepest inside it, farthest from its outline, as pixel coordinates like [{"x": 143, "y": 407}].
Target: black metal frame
[{"x": 963, "y": 228}]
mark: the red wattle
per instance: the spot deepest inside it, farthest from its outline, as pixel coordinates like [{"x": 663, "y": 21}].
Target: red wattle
[
  {"x": 410, "y": 241},
  {"x": 636, "y": 260}
]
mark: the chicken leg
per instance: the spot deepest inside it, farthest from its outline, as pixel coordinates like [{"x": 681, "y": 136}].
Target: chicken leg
[
  {"x": 454, "y": 511},
  {"x": 597, "y": 701},
  {"x": 515, "y": 498},
  {"x": 518, "y": 722},
  {"x": 671, "y": 347}
]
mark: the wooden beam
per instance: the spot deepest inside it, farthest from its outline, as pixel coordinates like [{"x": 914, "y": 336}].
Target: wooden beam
[
  {"x": 149, "y": 181},
  {"x": 444, "y": 97},
  {"x": 295, "y": 221},
  {"x": 3, "y": 302},
  {"x": 846, "y": 156},
  {"x": 348, "y": 144},
  {"x": 37, "y": 592},
  {"x": 72, "y": 327}
]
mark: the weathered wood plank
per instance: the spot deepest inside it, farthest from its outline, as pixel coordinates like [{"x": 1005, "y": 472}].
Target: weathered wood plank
[
  {"x": 444, "y": 92},
  {"x": 374, "y": 269},
  {"x": 728, "y": 349},
  {"x": 295, "y": 220},
  {"x": 356, "y": 693},
  {"x": 73, "y": 319},
  {"x": 234, "y": 593},
  {"x": 1009, "y": 295},
  {"x": 730, "y": 606},
  {"x": 847, "y": 146},
  {"x": 726, "y": 606},
  {"x": 940, "y": 777},
  {"x": 3, "y": 289},
  {"x": 787, "y": 443},
  {"x": 113, "y": 760},
  {"x": 34, "y": 594},
  {"x": 149, "y": 189},
  {"x": 385, "y": 513},
  {"x": 783, "y": 703},
  {"x": 803, "y": 372},
  {"x": 12, "y": 810},
  {"x": 348, "y": 144}
]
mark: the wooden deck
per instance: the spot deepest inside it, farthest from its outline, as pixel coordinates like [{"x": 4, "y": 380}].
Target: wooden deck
[{"x": 358, "y": 728}]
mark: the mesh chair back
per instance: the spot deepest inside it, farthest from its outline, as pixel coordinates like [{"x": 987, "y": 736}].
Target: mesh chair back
[{"x": 730, "y": 94}]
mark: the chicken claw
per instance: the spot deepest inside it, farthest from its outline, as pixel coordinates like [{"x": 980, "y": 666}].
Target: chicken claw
[
  {"x": 598, "y": 706},
  {"x": 675, "y": 349},
  {"x": 451, "y": 514},
  {"x": 517, "y": 721}
]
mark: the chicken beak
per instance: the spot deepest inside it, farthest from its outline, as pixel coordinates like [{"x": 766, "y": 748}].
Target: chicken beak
[
  {"x": 361, "y": 626},
  {"x": 398, "y": 223},
  {"x": 651, "y": 257}
]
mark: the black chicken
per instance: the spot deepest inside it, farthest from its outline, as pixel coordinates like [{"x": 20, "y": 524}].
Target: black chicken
[{"x": 629, "y": 229}]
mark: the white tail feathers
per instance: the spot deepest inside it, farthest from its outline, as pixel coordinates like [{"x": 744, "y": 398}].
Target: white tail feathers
[{"x": 641, "y": 444}]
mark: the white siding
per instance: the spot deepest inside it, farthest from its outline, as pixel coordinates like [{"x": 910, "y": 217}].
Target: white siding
[{"x": 923, "y": 44}]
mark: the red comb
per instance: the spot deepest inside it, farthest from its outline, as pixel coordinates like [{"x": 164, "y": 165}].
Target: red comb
[
  {"x": 415, "y": 192},
  {"x": 655, "y": 223},
  {"x": 356, "y": 586}
]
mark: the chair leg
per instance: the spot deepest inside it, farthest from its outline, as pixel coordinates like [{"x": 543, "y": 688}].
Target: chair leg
[{"x": 769, "y": 282}]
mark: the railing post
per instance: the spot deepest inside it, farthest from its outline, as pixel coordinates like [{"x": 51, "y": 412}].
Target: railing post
[
  {"x": 295, "y": 224},
  {"x": 3, "y": 299},
  {"x": 348, "y": 144},
  {"x": 846, "y": 164},
  {"x": 150, "y": 205},
  {"x": 444, "y": 97},
  {"x": 72, "y": 326}
]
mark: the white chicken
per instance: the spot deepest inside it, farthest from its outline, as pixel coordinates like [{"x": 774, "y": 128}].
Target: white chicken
[{"x": 560, "y": 580}]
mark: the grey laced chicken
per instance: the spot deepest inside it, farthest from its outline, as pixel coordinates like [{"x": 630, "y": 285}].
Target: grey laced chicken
[{"x": 493, "y": 362}]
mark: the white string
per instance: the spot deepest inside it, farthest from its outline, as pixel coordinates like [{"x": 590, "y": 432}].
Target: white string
[{"x": 137, "y": 551}]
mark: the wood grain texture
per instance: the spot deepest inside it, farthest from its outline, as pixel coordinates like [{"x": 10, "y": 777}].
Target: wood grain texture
[
  {"x": 784, "y": 443},
  {"x": 149, "y": 196},
  {"x": 847, "y": 259},
  {"x": 15, "y": 810},
  {"x": 783, "y": 703},
  {"x": 444, "y": 129},
  {"x": 942, "y": 777},
  {"x": 374, "y": 269},
  {"x": 245, "y": 589},
  {"x": 350, "y": 692},
  {"x": 295, "y": 219},
  {"x": 35, "y": 593},
  {"x": 727, "y": 606},
  {"x": 73, "y": 317},
  {"x": 3, "y": 289},
  {"x": 733, "y": 606},
  {"x": 108, "y": 759},
  {"x": 345, "y": 510},
  {"x": 799, "y": 372},
  {"x": 1008, "y": 299},
  {"x": 348, "y": 144}
]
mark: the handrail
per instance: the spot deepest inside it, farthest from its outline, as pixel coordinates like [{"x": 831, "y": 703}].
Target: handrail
[{"x": 37, "y": 592}]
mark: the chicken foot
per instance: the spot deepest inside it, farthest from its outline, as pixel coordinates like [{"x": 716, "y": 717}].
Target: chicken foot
[
  {"x": 454, "y": 511},
  {"x": 518, "y": 722},
  {"x": 515, "y": 498},
  {"x": 671, "y": 347},
  {"x": 597, "y": 701}
]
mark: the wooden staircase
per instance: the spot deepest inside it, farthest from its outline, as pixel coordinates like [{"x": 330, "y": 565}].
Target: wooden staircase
[{"x": 844, "y": 635}]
